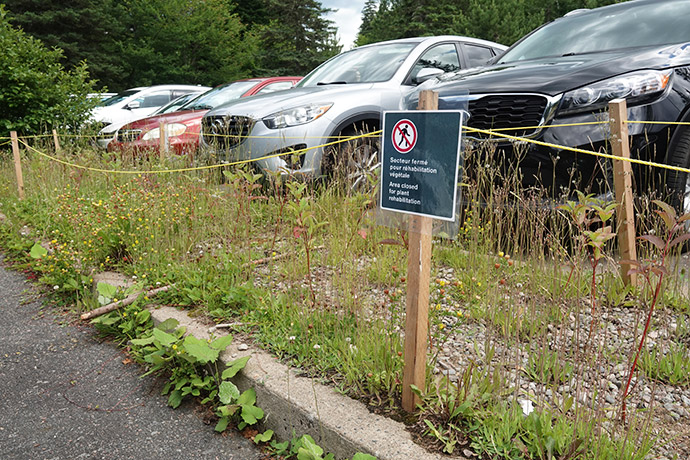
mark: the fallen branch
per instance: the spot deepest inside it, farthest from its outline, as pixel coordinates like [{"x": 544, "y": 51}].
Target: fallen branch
[{"x": 122, "y": 303}]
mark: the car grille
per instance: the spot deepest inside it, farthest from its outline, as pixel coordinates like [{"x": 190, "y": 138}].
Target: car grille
[
  {"x": 507, "y": 112},
  {"x": 225, "y": 132},
  {"x": 128, "y": 135}
]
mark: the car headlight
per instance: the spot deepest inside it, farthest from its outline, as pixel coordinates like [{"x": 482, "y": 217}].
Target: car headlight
[
  {"x": 635, "y": 87},
  {"x": 296, "y": 116},
  {"x": 173, "y": 130}
]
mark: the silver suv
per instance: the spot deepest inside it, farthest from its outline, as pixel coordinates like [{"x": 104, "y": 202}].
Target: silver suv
[{"x": 344, "y": 96}]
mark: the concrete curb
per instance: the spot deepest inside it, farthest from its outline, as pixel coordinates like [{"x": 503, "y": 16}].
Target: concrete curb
[{"x": 297, "y": 405}]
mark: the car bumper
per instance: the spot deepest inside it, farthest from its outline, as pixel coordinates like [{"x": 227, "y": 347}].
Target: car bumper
[
  {"x": 176, "y": 145},
  {"x": 296, "y": 150},
  {"x": 546, "y": 159}
]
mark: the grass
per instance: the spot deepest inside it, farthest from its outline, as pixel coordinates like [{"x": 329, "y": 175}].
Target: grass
[{"x": 312, "y": 274}]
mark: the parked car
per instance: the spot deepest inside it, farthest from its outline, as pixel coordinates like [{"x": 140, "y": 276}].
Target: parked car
[
  {"x": 183, "y": 125},
  {"x": 566, "y": 72},
  {"x": 136, "y": 103},
  {"x": 345, "y": 95},
  {"x": 101, "y": 97},
  {"x": 108, "y": 134}
]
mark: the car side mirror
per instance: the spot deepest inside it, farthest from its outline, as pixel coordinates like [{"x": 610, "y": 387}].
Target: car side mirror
[
  {"x": 133, "y": 105},
  {"x": 427, "y": 73}
]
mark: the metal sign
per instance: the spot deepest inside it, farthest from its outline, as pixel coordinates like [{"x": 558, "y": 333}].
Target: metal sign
[{"x": 420, "y": 160}]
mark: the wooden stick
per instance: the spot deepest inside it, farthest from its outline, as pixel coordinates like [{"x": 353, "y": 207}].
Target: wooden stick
[
  {"x": 17, "y": 164},
  {"x": 162, "y": 141},
  {"x": 622, "y": 179},
  {"x": 123, "y": 303},
  {"x": 417, "y": 308},
  {"x": 56, "y": 141}
]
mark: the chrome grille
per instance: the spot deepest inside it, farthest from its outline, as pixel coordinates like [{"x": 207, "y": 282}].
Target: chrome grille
[
  {"x": 225, "y": 132},
  {"x": 128, "y": 135},
  {"x": 508, "y": 112}
]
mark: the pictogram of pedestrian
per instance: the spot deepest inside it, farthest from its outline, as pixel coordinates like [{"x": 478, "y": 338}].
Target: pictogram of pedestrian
[{"x": 404, "y": 136}]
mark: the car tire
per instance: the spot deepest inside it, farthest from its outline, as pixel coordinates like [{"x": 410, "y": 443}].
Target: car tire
[
  {"x": 677, "y": 182},
  {"x": 354, "y": 163}
]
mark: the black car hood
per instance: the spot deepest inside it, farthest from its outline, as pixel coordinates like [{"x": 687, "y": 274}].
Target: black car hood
[{"x": 558, "y": 74}]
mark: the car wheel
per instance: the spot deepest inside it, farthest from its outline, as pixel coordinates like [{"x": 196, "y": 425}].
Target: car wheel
[
  {"x": 355, "y": 163},
  {"x": 678, "y": 183}
]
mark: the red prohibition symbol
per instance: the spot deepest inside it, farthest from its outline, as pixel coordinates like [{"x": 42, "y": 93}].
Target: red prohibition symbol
[{"x": 404, "y": 136}]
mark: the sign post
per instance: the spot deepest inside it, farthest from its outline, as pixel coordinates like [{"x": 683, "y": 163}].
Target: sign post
[{"x": 419, "y": 175}]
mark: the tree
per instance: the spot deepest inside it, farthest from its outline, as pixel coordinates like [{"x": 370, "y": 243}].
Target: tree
[
  {"x": 185, "y": 41},
  {"x": 503, "y": 21},
  {"x": 297, "y": 39},
  {"x": 86, "y": 30},
  {"x": 36, "y": 93}
]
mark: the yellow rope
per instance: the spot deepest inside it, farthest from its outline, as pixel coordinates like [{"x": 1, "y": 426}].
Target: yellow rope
[
  {"x": 198, "y": 168},
  {"x": 576, "y": 150},
  {"x": 378, "y": 132}
]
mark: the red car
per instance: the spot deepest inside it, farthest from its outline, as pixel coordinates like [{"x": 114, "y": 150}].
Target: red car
[{"x": 183, "y": 125}]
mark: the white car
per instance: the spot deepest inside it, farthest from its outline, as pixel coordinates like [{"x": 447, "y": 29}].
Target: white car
[
  {"x": 107, "y": 134},
  {"x": 344, "y": 96},
  {"x": 136, "y": 103}
]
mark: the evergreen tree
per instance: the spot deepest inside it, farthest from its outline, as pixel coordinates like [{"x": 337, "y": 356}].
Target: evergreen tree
[
  {"x": 297, "y": 39},
  {"x": 84, "y": 29},
  {"x": 503, "y": 21}
]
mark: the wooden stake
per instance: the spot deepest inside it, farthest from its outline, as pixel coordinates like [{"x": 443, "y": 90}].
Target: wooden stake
[
  {"x": 122, "y": 303},
  {"x": 56, "y": 141},
  {"x": 163, "y": 147},
  {"x": 622, "y": 179},
  {"x": 417, "y": 309},
  {"x": 17, "y": 164}
]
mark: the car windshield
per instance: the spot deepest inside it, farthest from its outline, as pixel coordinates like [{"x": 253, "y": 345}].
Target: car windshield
[
  {"x": 623, "y": 25},
  {"x": 219, "y": 95},
  {"x": 368, "y": 64},
  {"x": 176, "y": 104},
  {"x": 119, "y": 97}
]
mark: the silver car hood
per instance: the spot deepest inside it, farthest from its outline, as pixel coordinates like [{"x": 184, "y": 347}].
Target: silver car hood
[{"x": 260, "y": 106}]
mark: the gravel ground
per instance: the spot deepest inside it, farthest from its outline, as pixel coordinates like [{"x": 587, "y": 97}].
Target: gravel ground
[{"x": 599, "y": 363}]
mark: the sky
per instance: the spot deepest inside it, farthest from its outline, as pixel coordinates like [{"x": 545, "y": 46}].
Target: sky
[{"x": 347, "y": 16}]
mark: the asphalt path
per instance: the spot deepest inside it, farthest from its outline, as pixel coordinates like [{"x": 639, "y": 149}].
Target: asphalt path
[{"x": 66, "y": 394}]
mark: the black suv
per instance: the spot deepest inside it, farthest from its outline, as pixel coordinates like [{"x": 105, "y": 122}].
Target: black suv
[{"x": 566, "y": 72}]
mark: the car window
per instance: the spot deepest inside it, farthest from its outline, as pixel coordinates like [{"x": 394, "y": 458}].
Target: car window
[
  {"x": 622, "y": 25},
  {"x": 477, "y": 55},
  {"x": 368, "y": 64},
  {"x": 444, "y": 57},
  {"x": 119, "y": 97},
  {"x": 220, "y": 95},
  {"x": 176, "y": 104},
  {"x": 277, "y": 86},
  {"x": 156, "y": 99}
]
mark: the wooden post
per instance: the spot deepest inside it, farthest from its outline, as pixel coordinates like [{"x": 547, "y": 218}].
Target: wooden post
[
  {"x": 622, "y": 179},
  {"x": 417, "y": 309},
  {"x": 17, "y": 164},
  {"x": 163, "y": 147},
  {"x": 56, "y": 141}
]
